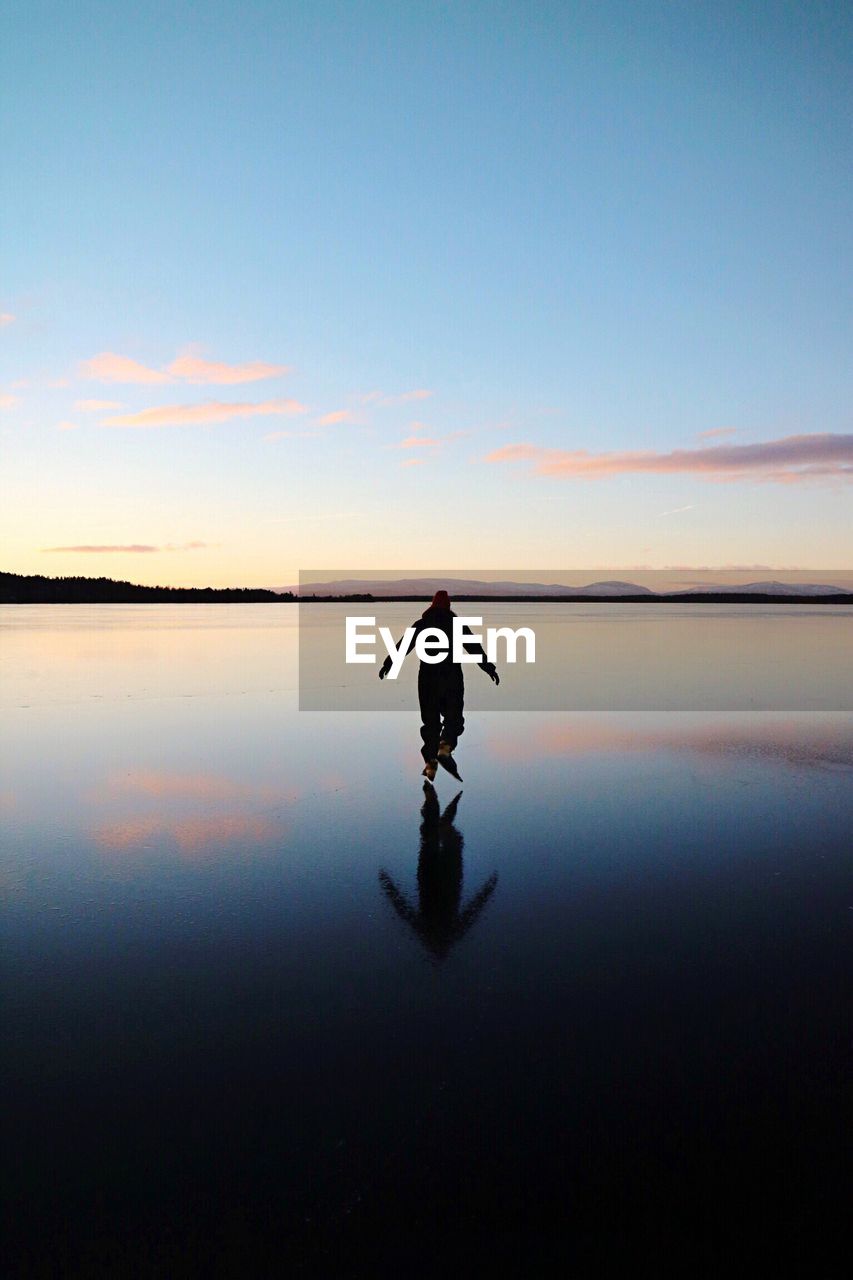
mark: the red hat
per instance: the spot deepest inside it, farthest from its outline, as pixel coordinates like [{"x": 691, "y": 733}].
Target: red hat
[{"x": 441, "y": 600}]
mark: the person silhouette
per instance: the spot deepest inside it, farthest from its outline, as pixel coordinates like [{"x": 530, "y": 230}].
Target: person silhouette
[
  {"x": 440, "y": 921},
  {"x": 441, "y": 688}
]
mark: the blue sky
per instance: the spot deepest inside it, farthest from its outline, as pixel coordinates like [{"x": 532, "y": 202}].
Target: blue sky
[{"x": 592, "y": 230}]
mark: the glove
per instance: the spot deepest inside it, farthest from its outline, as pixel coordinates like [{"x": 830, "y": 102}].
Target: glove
[
  {"x": 385, "y": 668},
  {"x": 490, "y": 671}
]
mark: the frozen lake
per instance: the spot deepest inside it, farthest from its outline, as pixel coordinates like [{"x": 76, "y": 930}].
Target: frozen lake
[{"x": 264, "y": 998}]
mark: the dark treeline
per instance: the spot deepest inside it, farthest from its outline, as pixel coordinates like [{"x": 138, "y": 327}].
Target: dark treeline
[{"x": 17, "y": 588}]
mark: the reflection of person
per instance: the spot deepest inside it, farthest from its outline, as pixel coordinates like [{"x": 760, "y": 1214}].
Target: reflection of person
[
  {"x": 441, "y": 688},
  {"x": 438, "y": 921}
]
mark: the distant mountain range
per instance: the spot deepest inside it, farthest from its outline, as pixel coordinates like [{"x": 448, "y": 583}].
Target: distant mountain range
[
  {"x": 16, "y": 588},
  {"x": 425, "y": 587},
  {"x": 769, "y": 589}
]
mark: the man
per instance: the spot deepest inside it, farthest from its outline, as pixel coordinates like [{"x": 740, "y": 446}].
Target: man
[{"x": 441, "y": 689}]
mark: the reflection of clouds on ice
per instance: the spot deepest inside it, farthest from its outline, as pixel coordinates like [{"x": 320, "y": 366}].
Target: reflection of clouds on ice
[
  {"x": 192, "y": 835},
  {"x": 799, "y": 742},
  {"x": 202, "y": 786},
  {"x": 196, "y": 813}
]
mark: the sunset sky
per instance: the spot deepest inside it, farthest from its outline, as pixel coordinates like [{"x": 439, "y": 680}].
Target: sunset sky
[{"x": 413, "y": 283}]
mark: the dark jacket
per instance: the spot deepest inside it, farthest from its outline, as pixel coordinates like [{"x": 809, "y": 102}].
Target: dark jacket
[{"x": 446, "y": 668}]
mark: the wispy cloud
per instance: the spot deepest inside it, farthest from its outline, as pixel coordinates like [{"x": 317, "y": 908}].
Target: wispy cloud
[
  {"x": 413, "y": 462},
  {"x": 417, "y": 439},
  {"x": 183, "y": 415},
  {"x": 9, "y": 402},
  {"x": 96, "y": 406},
  {"x": 338, "y": 415},
  {"x": 66, "y": 426},
  {"x": 676, "y": 511},
  {"x": 418, "y": 442},
  {"x": 133, "y": 547},
  {"x": 382, "y": 401},
  {"x": 109, "y": 367},
  {"x": 786, "y": 461},
  {"x": 6, "y": 317},
  {"x": 718, "y": 433},
  {"x": 188, "y": 368},
  {"x": 192, "y": 368}
]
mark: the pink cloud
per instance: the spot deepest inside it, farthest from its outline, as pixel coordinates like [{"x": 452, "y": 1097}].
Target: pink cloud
[
  {"x": 339, "y": 415},
  {"x": 513, "y": 453},
  {"x": 66, "y": 426},
  {"x": 179, "y": 415},
  {"x": 785, "y": 461},
  {"x": 418, "y": 442},
  {"x": 191, "y": 368},
  {"x": 417, "y": 439},
  {"x": 109, "y": 367},
  {"x": 717, "y": 433},
  {"x": 96, "y": 406},
  {"x": 382, "y": 401},
  {"x": 413, "y": 462},
  {"x": 6, "y": 317},
  {"x": 134, "y": 547},
  {"x": 9, "y": 402}
]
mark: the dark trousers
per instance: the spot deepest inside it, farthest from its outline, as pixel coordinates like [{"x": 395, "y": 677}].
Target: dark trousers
[{"x": 441, "y": 695}]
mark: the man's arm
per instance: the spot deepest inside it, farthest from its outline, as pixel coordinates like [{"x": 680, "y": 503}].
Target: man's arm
[
  {"x": 473, "y": 646},
  {"x": 386, "y": 665}
]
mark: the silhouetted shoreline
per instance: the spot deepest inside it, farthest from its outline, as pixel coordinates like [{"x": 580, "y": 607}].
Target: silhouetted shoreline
[{"x": 16, "y": 588}]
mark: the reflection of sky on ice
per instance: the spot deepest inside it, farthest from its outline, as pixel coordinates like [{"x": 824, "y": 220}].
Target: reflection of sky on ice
[
  {"x": 202, "y": 884},
  {"x": 163, "y": 739}
]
